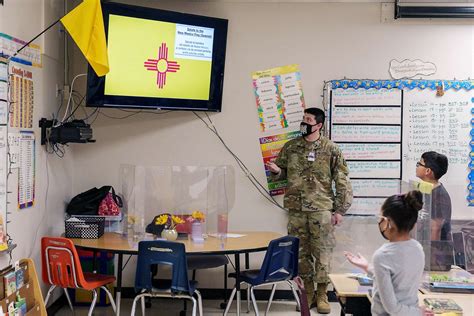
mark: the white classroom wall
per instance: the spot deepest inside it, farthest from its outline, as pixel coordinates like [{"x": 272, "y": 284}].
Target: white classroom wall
[
  {"x": 24, "y": 19},
  {"x": 327, "y": 40}
]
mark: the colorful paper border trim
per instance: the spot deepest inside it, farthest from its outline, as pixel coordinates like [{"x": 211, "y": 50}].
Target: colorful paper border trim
[{"x": 403, "y": 84}]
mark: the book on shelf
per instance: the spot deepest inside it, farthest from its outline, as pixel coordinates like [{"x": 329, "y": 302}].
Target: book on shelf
[
  {"x": 20, "y": 278},
  {"x": 10, "y": 282},
  {"x": 442, "y": 305}
]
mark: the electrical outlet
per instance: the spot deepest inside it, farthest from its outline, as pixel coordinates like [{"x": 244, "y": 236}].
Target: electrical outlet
[
  {"x": 57, "y": 90},
  {"x": 66, "y": 91}
]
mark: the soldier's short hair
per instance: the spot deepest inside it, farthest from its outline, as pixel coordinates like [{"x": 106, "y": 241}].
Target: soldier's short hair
[{"x": 318, "y": 114}]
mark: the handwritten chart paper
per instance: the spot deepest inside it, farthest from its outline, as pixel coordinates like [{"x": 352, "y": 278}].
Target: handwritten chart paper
[
  {"x": 271, "y": 146},
  {"x": 442, "y": 124},
  {"x": 438, "y": 122},
  {"x": 14, "y": 150},
  {"x": 279, "y": 95},
  {"x": 367, "y": 97},
  {"x": 26, "y": 178},
  {"x": 368, "y": 151},
  {"x": 366, "y": 206},
  {"x": 375, "y": 187},
  {"x": 367, "y": 126},
  {"x": 375, "y": 169},
  {"x": 366, "y": 115},
  {"x": 366, "y": 133}
]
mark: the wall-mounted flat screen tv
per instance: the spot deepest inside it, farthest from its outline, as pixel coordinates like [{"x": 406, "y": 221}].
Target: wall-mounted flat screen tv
[{"x": 160, "y": 60}]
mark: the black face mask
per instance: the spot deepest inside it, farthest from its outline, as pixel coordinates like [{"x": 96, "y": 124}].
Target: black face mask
[{"x": 306, "y": 128}]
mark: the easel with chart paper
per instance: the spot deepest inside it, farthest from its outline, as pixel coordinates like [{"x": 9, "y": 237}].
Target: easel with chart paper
[{"x": 383, "y": 127}]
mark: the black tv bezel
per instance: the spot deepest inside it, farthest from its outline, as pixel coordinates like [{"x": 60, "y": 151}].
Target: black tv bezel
[{"x": 95, "y": 96}]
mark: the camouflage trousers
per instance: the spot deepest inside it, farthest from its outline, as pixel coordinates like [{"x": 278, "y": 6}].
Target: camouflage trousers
[{"x": 316, "y": 234}]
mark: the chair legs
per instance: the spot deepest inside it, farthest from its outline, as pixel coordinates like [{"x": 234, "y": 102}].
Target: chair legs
[
  {"x": 229, "y": 302},
  {"x": 254, "y": 301},
  {"x": 297, "y": 299},
  {"x": 134, "y": 305},
  {"x": 51, "y": 289},
  {"x": 271, "y": 298},
  {"x": 196, "y": 305},
  {"x": 68, "y": 300},
  {"x": 111, "y": 298},
  {"x": 248, "y": 298},
  {"x": 94, "y": 301},
  {"x": 94, "y": 298},
  {"x": 198, "y": 294},
  {"x": 143, "y": 306},
  {"x": 251, "y": 295}
]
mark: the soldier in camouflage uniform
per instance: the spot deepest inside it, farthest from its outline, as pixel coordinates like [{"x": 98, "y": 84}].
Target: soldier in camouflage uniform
[{"x": 311, "y": 164}]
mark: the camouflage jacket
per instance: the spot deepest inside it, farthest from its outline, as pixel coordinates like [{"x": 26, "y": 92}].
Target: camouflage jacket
[{"x": 310, "y": 183}]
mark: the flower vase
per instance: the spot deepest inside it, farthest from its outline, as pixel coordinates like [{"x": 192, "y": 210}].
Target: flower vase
[
  {"x": 196, "y": 232},
  {"x": 169, "y": 234}
]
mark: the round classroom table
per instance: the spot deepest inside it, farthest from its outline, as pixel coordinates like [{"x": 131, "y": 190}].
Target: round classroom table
[{"x": 246, "y": 244}]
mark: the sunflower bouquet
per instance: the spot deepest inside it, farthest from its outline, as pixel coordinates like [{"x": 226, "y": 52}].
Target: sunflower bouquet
[
  {"x": 168, "y": 221},
  {"x": 197, "y": 217}
]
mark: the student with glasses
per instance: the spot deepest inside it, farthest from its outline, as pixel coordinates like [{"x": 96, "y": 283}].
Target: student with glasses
[
  {"x": 397, "y": 266},
  {"x": 431, "y": 167}
]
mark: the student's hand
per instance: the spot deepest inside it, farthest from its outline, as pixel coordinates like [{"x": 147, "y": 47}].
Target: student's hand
[
  {"x": 273, "y": 167},
  {"x": 357, "y": 260},
  {"x": 336, "y": 219}
]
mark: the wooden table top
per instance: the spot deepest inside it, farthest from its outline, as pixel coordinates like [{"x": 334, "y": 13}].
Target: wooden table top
[
  {"x": 348, "y": 287},
  {"x": 250, "y": 242}
]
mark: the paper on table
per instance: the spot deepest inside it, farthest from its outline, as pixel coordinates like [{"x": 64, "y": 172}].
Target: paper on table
[{"x": 228, "y": 235}]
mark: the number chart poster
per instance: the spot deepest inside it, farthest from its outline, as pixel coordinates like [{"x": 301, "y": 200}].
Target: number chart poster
[
  {"x": 21, "y": 114},
  {"x": 271, "y": 146},
  {"x": 279, "y": 95}
]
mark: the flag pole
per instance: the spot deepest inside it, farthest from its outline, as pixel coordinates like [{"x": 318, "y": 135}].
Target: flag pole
[{"x": 42, "y": 32}]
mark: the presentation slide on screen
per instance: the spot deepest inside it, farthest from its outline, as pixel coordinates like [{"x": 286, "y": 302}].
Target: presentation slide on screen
[{"x": 158, "y": 59}]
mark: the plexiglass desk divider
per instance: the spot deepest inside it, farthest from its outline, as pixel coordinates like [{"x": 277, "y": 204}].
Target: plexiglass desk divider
[{"x": 179, "y": 191}]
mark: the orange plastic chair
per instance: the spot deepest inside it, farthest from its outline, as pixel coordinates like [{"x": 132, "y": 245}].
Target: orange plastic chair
[{"x": 61, "y": 267}]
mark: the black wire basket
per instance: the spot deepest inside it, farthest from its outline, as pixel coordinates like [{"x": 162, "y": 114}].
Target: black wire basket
[{"x": 86, "y": 227}]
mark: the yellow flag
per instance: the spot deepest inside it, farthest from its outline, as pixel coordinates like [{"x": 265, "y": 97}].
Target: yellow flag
[{"x": 85, "y": 24}]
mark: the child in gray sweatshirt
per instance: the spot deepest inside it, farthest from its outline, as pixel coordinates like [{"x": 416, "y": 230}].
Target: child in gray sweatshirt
[{"x": 397, "y": 266}]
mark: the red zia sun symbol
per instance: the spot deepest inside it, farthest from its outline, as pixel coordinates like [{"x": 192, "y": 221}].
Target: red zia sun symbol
[{"x": 162, "y": 65}]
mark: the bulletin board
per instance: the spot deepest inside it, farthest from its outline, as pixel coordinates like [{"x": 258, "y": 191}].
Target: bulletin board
[
  {"x": 383, "y": 127},
  {"x": 17, "y": 139}
]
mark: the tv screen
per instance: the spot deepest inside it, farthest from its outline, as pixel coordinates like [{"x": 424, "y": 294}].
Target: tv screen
[{"x": 160, "y": 60}]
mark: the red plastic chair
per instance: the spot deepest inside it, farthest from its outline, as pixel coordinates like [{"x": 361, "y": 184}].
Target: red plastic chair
[{"x": 61, "y": 267}]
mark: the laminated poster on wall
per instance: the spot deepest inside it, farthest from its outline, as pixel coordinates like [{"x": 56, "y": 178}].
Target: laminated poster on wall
[
  {"x": 3, "y": 90},
  {"x": 13, "y": 150},
  {"x": 279, "y": 96},
  {"x": 22, "y": 96},
  {"x": 271, "y": 146},
  {"x": 26, "y": 175},
  {"x": 30, "y": 55},
  {"x": 3, "y": 187}
]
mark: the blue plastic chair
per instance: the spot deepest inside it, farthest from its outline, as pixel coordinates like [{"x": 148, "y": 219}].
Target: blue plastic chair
[
  {"x": 167, "y": 253},
  {"x": 280, "y": 265}
]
